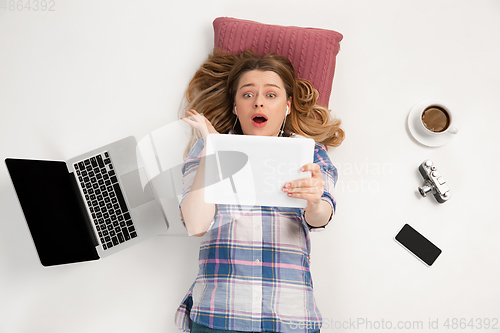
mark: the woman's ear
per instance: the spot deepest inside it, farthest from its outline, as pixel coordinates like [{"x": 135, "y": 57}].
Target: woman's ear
[{"x": 288, "y": 106}]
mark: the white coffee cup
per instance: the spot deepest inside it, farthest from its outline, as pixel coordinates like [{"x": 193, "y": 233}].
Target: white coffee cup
[{"x": 435, "y": 118}]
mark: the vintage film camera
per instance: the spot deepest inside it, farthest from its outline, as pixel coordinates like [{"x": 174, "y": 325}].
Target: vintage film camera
[{"x": 434, "y": 182}]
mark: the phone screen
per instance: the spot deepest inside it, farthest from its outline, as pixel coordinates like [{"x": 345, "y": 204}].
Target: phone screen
[{"x": 417, "y": 244}]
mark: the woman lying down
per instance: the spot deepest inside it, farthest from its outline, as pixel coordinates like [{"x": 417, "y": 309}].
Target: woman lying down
[{"x": 254, "y": 271}]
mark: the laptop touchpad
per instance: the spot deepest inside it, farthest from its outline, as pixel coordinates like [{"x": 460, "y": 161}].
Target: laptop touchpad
[{"x": 136, "y": 194}]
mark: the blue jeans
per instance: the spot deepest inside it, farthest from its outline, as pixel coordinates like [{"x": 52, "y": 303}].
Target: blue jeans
[{"x": 197, "y": 328}]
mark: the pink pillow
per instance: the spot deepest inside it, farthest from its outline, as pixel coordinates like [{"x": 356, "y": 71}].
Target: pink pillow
[{"x": 312, "y": 51}]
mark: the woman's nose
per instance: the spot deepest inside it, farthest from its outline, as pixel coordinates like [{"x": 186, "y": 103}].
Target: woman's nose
[{"x": 259, "y": 102}]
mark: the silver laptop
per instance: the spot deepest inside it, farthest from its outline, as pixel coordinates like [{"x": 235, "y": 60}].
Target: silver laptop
[
  {"x": 257, "y": 178},
  {"x": 88, "y": 207}
]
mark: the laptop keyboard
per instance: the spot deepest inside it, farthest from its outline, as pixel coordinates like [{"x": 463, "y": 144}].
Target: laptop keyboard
[{"x": 105, "y": 200}]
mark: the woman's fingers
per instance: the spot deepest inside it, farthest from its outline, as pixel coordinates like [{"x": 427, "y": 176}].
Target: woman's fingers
[
  {"x": 199, "y": 122},
  {"x": 310, "y": 189},
  {"x": 306, "y": 186},
  {"x": 314, "y": 168}
]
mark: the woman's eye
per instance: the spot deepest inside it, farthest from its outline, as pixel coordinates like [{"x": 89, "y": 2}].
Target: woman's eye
[
  {"x": 272, "y": 95},
  {"x": 247, "y": 95}
]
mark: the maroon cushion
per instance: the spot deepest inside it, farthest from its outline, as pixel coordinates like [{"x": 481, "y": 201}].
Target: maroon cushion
[{"x": 312, "y": 51}]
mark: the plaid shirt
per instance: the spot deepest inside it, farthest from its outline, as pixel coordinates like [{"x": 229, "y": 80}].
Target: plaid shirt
[{"x": 254, "y": 264}]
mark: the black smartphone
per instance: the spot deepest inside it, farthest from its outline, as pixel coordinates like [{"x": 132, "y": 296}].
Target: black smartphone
[{"x": 417, "y": 244}]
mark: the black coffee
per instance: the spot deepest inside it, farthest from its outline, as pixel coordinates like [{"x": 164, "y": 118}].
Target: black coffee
[{"x": 435, "y": 119}]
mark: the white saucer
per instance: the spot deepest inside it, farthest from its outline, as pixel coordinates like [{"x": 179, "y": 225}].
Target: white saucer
[{"x": 425, "y": 139}]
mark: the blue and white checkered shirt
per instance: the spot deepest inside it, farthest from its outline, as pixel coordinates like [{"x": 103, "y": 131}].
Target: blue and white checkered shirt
[{"x": 254, "y": 264}]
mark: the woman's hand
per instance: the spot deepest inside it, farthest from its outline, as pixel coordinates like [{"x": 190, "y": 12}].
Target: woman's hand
[
  {"x": 317, "y": 212},
  {"x": 310, "y": 189},
  {"x": 199, "y": 122},
  {"x": 196, "y": 213}
]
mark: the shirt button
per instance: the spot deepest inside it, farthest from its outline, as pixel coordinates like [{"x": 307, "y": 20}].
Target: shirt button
[{"x": 257, "y": 261}]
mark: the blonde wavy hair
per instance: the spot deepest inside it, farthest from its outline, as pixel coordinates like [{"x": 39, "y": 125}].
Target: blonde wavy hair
[{"x": 213, "y": 88}]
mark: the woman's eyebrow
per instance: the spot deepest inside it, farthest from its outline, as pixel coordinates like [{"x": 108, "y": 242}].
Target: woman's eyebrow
[{"x": 266, "y": 85}]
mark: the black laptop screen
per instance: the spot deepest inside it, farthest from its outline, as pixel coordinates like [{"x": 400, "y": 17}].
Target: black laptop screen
[{"x": 52, "y": 206}]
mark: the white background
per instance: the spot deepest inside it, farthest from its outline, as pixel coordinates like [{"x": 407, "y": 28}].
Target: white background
[{"x": 129, "y": 62}]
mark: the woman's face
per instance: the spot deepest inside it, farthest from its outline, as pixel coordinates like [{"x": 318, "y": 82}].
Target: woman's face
[{"x": 261, "y": 103}]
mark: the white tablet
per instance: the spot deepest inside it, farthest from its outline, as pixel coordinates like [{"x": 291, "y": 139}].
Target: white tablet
[{"x": 252, "y": 170}]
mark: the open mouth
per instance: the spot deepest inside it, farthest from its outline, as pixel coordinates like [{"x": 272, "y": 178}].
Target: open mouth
[{"x": 259, "y": 119}]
